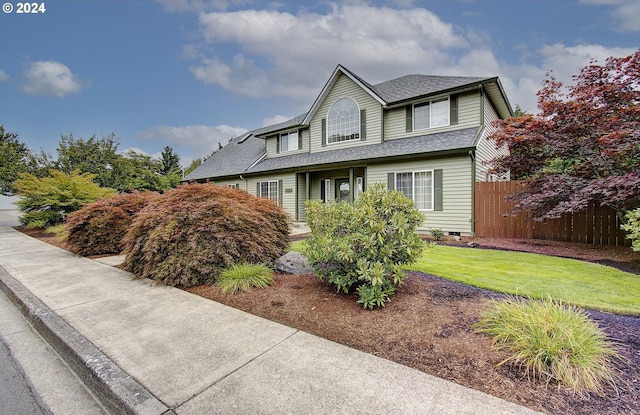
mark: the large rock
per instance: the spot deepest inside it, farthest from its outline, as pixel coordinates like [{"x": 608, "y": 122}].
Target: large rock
[{"x": 294, "y": 263}]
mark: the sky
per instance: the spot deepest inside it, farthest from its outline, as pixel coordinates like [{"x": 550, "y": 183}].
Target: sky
[{"x": 190, "y": 74}]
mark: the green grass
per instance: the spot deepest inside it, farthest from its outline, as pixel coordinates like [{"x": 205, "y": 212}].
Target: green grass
[
  {"x": 532, "y": 275},
  {"x": 551, "y": 340}
]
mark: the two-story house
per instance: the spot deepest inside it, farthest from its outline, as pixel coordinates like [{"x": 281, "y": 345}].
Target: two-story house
[{"x": 425, "y": 136}]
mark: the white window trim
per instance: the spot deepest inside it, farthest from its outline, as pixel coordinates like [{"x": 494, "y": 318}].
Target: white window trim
[
  {"x": 356, "y": 135},
  {"x": 297, "y": 141},
  {"x": 413, "y": 115},
  {"x": 328, "y": 196},
  {"x": 269, "y": 195},
  {"x": 413, "y": 186}
]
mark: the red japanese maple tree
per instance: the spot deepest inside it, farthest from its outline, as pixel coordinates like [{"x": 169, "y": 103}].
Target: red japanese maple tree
[{"x": 583, "y": 145}]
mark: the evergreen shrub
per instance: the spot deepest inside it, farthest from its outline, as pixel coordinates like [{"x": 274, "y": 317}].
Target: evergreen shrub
[
  {"x": 99, "y": 227},
  {"x": 192, "y": 233},
  {"x": 633, "y": 228},
  {"x": 364, "y": 245}
]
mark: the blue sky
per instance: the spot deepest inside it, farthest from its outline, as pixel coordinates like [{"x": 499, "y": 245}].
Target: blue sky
[{"x": 192, "y": 73}]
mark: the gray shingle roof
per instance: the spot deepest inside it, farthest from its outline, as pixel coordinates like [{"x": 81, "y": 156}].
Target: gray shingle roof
[
  {"x": 446, "y": 141},
  {"x": 231, "y": 160},
  {"x": 413, "y": 86}
]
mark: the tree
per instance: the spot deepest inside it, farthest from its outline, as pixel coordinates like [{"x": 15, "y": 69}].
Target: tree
[
  {"x": 194, "y": 165},
  {"x": 94, "y": 155},
  {"x": 583, "y": 146},
  {"x": 169, "y": 162},
  {"x": 46, "y": 201},
  {"x": 15, "y": 158}
]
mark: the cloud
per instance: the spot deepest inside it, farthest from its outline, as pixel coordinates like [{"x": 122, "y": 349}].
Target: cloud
[
  {"x": 194, "y": 138},
  {"x": 3, "y": 76},
  {"x": 626, "y": 13},
  {"x": 50, "y": 78},
  {"x": 285, "y": 54}
]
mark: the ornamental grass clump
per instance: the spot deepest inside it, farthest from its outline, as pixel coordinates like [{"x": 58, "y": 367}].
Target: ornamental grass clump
[
  {"x": 99, "y": 227},
  {"x": 552, "y": 341},
  {"x": 244, "y": 277},
  {"x": 364, "y": 245},
  {"x": 192, "y": 233}
]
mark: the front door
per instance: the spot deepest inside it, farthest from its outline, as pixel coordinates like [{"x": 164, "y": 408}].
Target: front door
[{"x": 342, "y": 190}]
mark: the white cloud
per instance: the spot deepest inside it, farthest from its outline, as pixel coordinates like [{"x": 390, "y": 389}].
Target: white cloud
[
  {"x": 276, "y": 119},
  {"x": 50, "y": 78},
  {"x": 282, "y": 54},
  {"x": 195, "y": 138},
  {"x": 626, "y": 12},
  {"x": 3, "y": 76}
]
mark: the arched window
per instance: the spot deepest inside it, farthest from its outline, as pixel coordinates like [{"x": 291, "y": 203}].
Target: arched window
[{"x": 343, "y": 121}]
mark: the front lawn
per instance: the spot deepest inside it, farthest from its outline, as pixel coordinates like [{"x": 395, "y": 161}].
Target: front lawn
[{"x": 572, "y": 281}]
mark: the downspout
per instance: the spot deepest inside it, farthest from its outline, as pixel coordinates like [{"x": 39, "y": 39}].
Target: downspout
[
  {"x": 245, "y": 183},
  {"x": 472, "y": 156}
]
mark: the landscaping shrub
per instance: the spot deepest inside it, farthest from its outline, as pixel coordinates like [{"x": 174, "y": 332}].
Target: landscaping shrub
[
  {"x": 46, "y": 201},
  {"x": 366, "y": 244},
  {"x": 552, "y": 340},
  {"x": 99, "y": 227},
  {"x": 244, "y": 277},
  {"x": 190, "y": 234},
  {"x": 633, "y": 228}
]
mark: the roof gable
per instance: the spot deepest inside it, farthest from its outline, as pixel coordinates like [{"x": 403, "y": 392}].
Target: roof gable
[{"x": 413, "y": 86}]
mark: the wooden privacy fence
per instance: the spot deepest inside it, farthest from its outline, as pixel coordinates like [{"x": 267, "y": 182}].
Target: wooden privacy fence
[{"x": 597, "y": 225}]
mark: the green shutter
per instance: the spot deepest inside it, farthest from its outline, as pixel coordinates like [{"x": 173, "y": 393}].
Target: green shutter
[
  {"x": 278, "y": 144},
  {"x": 409, "y": 113},
  {"x": 324, "y": 132},
  {"x": 453, "y": 109},
  {"x": 299, "y": 139},
  {"x": 280, "y": 192},
  {"x": 391, "y": 181},
  {"x": 437, "y": 190},
  {"x": 258, "y": 190},
  {"x": 323, "y": 195},
  {"x": 363, "y": 124}
]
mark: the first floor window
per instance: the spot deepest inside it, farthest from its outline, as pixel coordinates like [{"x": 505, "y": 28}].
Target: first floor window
[
  {"x": 269, "y": 190},
  {"x": 417, "y": 186},
  {"x": 289, "y": 141}
]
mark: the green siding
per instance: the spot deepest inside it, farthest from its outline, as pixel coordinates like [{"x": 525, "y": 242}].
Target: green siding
[
  {"x": 456, "y": 214},
  {"x": 288, "y": 181},
  {"x": 345, "y": 87},
  {"x": 271, "y": 143},
  {"x": 469, "y": 115},
  {"x": 486, "y": 149}
]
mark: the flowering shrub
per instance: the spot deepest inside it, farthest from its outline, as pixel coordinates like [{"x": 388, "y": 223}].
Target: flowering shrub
[{"x": 364, "y": 245}]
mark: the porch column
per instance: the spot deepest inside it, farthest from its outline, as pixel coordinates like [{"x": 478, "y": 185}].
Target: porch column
[{"x": 352, "y": 184}]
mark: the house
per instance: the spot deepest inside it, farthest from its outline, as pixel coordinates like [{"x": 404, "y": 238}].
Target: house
[{"x": 423, "y": 135}]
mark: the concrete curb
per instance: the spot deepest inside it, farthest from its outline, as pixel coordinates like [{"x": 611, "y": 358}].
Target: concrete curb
[{"x": 116, "y": 390}]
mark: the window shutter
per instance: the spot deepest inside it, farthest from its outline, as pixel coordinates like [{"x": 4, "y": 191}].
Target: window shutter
[
  {"x": 363, "y": 125},
  {"x": 453, "y": 109},
  {"x": 324, "y": 132},
  {"x": 409, "y": 112},
  {"x": 323, "y": 195},
  {"x": 437, "y": 190},
  {"x": 280, "y": 192},
  {"x": 391, "y": 181},
  {"x": 299, "y": 139},
  {"x": 278, "y": 144},
  {"x": 258, "y": 189}
]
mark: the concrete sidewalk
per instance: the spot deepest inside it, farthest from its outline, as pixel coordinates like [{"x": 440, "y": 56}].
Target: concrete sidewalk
[{"x": 149, "y": 349}]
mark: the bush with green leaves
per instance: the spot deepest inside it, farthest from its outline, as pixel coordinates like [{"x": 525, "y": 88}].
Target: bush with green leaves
[
  {"x": 47, "y": 201},
  {"x": 99, "y": 227},
  {"x": 191, "y": 233},
  {"x": 244, "y": 277},
  {"x": 633, "y": 228},
  {"x": 437, "y": 233},
  {"x": 364, "y": 245},
  {"x": 552, "y": 341}
]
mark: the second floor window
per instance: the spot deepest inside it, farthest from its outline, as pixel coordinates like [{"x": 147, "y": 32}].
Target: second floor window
[
  {"x": 431, "y": 114},
  {"x": 343, "y": 121},
  {"x": 288, "y": 141}
]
